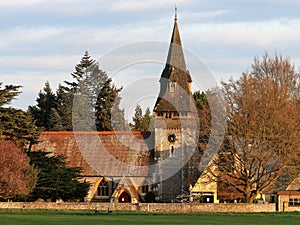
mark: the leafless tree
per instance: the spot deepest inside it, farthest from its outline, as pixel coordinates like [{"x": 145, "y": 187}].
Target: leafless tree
[{"x": 261, "y": 147}]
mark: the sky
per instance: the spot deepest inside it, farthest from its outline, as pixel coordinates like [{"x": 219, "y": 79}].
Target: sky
[{"x": 42, "y": 40}]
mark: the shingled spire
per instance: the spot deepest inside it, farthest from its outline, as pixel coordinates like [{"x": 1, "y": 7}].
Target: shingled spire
[
  {"x": 175, "y": 55},
  {"x": 175, "y": 77}
]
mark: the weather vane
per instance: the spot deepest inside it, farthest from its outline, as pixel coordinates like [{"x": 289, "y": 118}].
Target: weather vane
[{"x": 176, "y": 7}]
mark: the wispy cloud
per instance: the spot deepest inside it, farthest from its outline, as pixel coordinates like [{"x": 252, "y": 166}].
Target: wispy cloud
[
  {"x": 43, "y": 40},
  {"x": 264, "y": 34},
  {"x": 19, "y": 3},
  {"x": 196, "y": 16},
  {"x": 132, "y": 5}
]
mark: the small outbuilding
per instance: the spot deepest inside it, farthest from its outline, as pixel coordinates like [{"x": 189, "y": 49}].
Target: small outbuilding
[{"x": 289, "y": 200}]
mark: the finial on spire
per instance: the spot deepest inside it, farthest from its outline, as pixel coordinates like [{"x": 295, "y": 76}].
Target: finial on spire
[{"x": 176, "y": 6}]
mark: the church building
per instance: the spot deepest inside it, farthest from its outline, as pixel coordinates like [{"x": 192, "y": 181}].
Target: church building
[{"x": 127, "y": 166}]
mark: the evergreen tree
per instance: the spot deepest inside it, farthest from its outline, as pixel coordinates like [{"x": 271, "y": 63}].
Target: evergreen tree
[
  {"x": 147, "y": 120},
  {"x": 8, "y": 93},
  {"x": 56, "y": 180},
  {"x": 41, "y": 113},
  {"x": 204, "y": 117},
  {"x": 137, "y": 119},
  {"x": 117, "y": 117},
  {"x": 17, "y": 125},
  {"x": 65, "y": 97},
  {"x": 200, "y": 99},
  {"x": 104, "y": 105},
  {"x": 55, "y": 120},
  {"x": 141, "y": 122},
  {"x": 95, "y": 95}
]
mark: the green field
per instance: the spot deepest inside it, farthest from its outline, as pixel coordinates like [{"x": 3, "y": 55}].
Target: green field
[{"x": 51, "y": 217}]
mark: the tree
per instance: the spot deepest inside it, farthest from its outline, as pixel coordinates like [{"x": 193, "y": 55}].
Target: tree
[
  {"x": 141, "y": 122},
  {"x": 16, "y": 124},
  {"x": 55, "y": 120},
  {"x": 63, "y": 114},
  {"x": 56, "y": 180},
  {"x": 262, "y": 141},
  {"x": 94, "y": 94},
  {"x": 42, "y": 112},
  {"x": 17, "y": 177},
  {"x": 118, "y": 121},
  {"x": 191, "y": 168},
  {"x": 8, "y": 93},
  {"x": 204, "y": 117}
]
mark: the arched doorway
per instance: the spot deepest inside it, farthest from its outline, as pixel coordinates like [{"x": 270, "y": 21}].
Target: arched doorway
[{"x": 124, "y": 197}]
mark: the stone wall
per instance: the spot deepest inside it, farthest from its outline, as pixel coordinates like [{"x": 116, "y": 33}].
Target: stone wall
[
  {"x": 191, "y": 208},
  {"x": 151, "y": 207}
]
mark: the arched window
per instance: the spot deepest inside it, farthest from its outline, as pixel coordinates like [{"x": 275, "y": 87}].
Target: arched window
[{"x": 103, "y": 188}]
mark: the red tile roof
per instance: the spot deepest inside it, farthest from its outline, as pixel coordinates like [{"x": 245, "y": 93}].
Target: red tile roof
[{"x": 105, "y": 153}]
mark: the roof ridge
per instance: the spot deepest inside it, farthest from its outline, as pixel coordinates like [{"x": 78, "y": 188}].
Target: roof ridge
[{"x": 93, "y": 132}]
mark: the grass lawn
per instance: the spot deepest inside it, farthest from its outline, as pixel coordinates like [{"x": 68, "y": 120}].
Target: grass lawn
[{"x": 51, "y": 217}]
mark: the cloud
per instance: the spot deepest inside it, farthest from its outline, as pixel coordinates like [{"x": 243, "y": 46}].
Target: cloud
[
  {"x": 132, "y": 5},
  {"x": 25, "y": 34},
  {"x": 38, "y": 63},
  {"x": 196, "y": 16},
  {"x": 43, "y": 40},
  {"x": 274, "y": 33},
  {"x": 19, "y": 3}
]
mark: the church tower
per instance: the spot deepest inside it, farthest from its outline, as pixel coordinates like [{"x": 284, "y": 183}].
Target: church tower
[{"x": 175, "y": 122}]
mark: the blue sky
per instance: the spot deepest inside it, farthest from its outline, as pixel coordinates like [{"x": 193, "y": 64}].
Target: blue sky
[{"x": 42, "y": 40}]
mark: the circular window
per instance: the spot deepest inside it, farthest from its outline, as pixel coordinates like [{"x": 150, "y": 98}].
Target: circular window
[{"x": 171, "y": 137}]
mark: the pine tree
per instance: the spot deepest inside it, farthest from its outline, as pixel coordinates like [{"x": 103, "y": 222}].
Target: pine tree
[
  {"x": 104, "y": 105},
  {"x": 95, "y": 96},
  {"x": 16, "y": 124},
  {"x": 65, "y": 97},
  {"x": 204, "y": 117},
  {"x": 56, "y": 179},
  {"x": 141, "y": 122},
  {"x": 117, "y": 117},
  {"x": 41, "y": 113},
  {"x": 55, "y": 121},
  {"x": 147, "y": 120},
  {"x": 8, "y": 93},
  {"x": 137, "y": 119}
]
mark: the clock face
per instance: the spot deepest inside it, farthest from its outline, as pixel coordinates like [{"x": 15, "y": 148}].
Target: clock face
[{"x": 171, "y": 137}]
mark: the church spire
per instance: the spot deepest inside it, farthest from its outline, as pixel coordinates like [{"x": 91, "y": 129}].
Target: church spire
[
  {"x": 175, "y": 55},
  {"x": 175, "y": 78}
]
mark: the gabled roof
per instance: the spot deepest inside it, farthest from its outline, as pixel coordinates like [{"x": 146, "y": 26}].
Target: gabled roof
[
  {"x": 294, "y": 185},
  {"x": 95, "y": 150}
]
